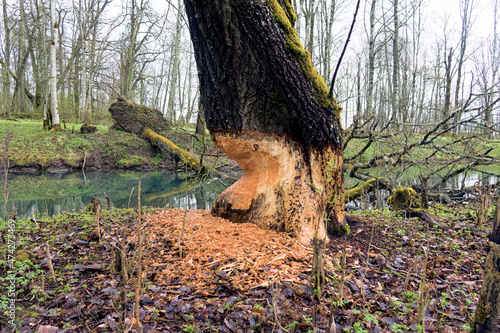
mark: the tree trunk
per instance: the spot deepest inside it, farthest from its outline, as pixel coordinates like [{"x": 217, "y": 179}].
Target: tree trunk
[
  {"x": 447, "y": 94},
  {"x": 488, "y": 307},
  {"x": 53, "y": 68},
  {"x": 5, "y": 75},
  {"x": 141, "y": 120},
  {"x": 268, "y": 109},
  {"x": 466, "y": 25},
  {"x": 395, "y": 66},
  {"x": 175, "y": 68},
  {"x": 371, "y": 60}
]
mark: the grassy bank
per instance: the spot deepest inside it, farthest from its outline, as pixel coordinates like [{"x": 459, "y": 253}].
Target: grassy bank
[
  {"x": 31, "y": 149},
  {"x": 394, "y": 143}
]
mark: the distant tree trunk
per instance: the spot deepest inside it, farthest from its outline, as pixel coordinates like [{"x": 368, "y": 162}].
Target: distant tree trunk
[
  {"x": 466, "y": 26},
  {"x": 129, "y": 56},
  {"x": 54, "y": 108},
  {"x": 371, "y": 60},
  {"x": 395, "y": 64},
  {"x": 311, "y": 13},
  {"x": 83, "y": 79},
  {"x": 488, "y": 307},
  {"x": 447, "y": 94},
  {"x": 19, "y": 103},
  {"x": 358, "y": 90},
  {"x": 175, "y": 67},
  {"x": 5, "y": 74},
  {"x": 200, "y": 120},
  {"x": 268, "y": 109},
  {"x": 327, "y": 36}
]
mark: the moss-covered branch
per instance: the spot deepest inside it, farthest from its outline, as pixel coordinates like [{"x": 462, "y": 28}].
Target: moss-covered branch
[
  {"x": 172, "y": 149},
  {"x": 356, "y": 192}
]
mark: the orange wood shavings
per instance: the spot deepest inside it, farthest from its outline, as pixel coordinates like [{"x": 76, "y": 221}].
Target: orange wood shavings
[{"x": 219, "y": 252}]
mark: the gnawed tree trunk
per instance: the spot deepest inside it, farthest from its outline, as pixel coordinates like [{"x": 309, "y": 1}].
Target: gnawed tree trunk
[
  {"x": 488, "y": 307},
  {"x": 139, "y": 119},
  {"x": 268, "y": 109}
]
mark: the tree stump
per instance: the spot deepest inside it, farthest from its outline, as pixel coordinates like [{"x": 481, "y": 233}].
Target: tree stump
[
  {"x": 139, "y": 119},
  {"x": 488, "y": 307},
  {"x": 88, "y": 128}
]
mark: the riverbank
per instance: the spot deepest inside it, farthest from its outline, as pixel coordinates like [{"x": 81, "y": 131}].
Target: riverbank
[{"x": 32, "y": 150}]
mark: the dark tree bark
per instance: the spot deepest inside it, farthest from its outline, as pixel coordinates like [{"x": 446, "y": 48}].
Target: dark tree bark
[
  {"x": 488, "y": 307},
  {"x": 268, "y": 109},
  {"x": 139, "y": 119},
  {"x": 133, "y": 118}
]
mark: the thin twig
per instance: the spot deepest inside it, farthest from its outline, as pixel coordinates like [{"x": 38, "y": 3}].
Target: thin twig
[
  {"x": 49, "y": 261},
  {"x": 330, "y": 94},
  {"x": 139, "y": 260}
]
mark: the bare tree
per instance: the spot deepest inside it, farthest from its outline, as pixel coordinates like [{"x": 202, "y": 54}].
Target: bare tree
[
  {"x": 175, "y": 65},
  {"x": 467, "y": 7},
  {"x": 54, "y": 107},
  {"x": 448, "y": 77},
  {"x": 5, "y": 75},
  {"x": 395, "y": 60}
]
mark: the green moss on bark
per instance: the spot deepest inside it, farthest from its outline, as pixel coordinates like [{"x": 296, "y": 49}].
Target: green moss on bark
[
  {"x": 290, "y": 13},
  {"x": 178, "y": 153},
  {"x": 404, "y": 198},
  {"x": 356, "y": 192},
  {"x": 285, "y": 19},
  {"x": 488, "y": 307}
]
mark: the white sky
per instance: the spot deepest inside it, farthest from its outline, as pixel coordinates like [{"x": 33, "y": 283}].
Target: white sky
[{"x": 482, "y": 16}]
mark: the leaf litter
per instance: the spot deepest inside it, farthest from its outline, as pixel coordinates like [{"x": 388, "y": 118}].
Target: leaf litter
[{"x": 240, "y": 278}]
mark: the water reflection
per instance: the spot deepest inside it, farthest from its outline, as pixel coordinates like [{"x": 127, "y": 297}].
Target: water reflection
[
  {"x": 470, "y": 179},
  {"x": 51, "y": 194},
  {"x": 411, "y": 177}
]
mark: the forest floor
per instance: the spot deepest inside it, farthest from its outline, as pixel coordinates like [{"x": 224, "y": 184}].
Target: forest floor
[
  {"x": 240, "y": 278},
  {"x": 33, "y": 150}
]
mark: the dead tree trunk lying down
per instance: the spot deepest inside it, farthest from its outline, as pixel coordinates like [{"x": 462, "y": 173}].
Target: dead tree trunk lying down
[
  {"x": 488, "y": 307},
  {"x": 138, "y": 119},
  {"x": 369, "y": 185},
  {"x": 267, "y": 108}
]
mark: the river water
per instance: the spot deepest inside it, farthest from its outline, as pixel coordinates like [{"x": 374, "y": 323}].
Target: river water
[{"x": 52, "y": 194}]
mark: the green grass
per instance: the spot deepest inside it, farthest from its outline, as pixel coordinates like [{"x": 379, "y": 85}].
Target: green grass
[
  {"x": 30, "y": 145},
  {"x": 399, "y": 142}
]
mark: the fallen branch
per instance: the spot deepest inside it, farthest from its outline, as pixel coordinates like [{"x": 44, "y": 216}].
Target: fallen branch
[{"x": 370, "y": 184}]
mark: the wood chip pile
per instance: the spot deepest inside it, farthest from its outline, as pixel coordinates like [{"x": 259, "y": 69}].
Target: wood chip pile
[{"x": 216, "y": 251}]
